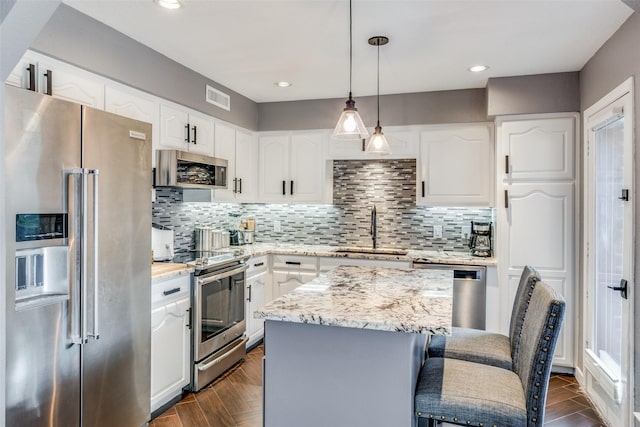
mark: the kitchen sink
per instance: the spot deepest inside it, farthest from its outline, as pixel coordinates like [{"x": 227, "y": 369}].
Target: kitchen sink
[{"x": 378, "y": 251}]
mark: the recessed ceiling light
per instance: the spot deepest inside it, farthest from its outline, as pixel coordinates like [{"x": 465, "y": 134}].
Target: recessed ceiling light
[
  {"x": 282, "y": 84},
  {"x": 478, "y": 68},
  {"x": 169, "y": 4}
]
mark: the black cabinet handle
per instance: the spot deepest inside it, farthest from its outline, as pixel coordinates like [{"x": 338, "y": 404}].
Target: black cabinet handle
[
  {"x": 235, "y": 185},
  {"x": 291, "y": 190},
  {"x": 32, "y": 77},
  {"x": 49, "y": 76},
  {"x": 171, "y": 291},
  {"x": 292, "y": 262},
  {"x": 188, "y": 128},
  {"x": 258, "y": 264},
  {"x": 195, "y": 135},
  {"x": 422, "y": 188},
  {"x": 506, "y": 164},
  {"x": 622, "y": 288},
  {"x": 284, "y": 187},
  {"x": 624, "y": 195},
  {"x": 249, "y": 297},
  {"x": 506, "y": 199},
  {"x": 188, "y": 318},
  {"x": 240, "y": 181}
]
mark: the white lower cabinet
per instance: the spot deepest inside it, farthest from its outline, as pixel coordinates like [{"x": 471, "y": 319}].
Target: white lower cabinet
[
  {"x": 170, "y": 339},
  {"x": 257, "y": 283},
  {"x": 291, "y": 271}
]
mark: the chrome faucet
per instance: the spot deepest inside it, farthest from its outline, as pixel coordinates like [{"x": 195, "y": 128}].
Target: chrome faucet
[{"x": 374, "y": 226}]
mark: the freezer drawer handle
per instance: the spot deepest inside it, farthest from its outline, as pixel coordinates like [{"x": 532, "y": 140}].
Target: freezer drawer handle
[{"x": 171, "y": 291}]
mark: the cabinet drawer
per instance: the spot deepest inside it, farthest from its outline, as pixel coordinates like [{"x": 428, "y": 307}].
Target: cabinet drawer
[
  {"x": 166, "y": 291},
  {"x": 293, "y": 262},
  {"x": 257, "y": 265}
]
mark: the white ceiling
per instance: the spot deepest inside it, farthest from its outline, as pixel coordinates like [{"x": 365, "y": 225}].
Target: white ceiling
[{"x": 248, "y": 45}]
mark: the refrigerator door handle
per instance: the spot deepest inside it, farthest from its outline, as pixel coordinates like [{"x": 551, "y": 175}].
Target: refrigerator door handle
[
  {"x": 73, "y": 179},
  {"x": 83, "y": 261},
  {"x": 95, "y": 334}
]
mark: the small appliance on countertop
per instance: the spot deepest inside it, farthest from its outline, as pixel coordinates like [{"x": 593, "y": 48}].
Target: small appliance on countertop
[
  {"x": 480, "y": 240},
  {"x": 242, "y": 231},
  {"x": 161, "y": 242}
]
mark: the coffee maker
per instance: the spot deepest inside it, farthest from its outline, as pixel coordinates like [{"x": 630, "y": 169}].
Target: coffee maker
[{"x": 480, "y": 240}]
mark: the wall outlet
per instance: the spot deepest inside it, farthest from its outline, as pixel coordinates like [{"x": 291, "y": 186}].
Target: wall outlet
[
  {"x": 277, "y": 226},
  {"x": 437, "y": 231},
  {"x": 466, "y": 231}
]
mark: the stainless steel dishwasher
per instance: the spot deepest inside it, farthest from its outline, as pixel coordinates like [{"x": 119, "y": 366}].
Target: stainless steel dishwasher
[{"x": 469, "y": 293}]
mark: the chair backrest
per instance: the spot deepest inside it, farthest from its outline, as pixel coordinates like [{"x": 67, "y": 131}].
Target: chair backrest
[
  {"x": 540, "y": 331},
  {"x": 528, "y": 280}
]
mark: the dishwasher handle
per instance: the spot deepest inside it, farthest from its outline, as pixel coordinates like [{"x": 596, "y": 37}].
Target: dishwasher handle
[{"x": 467, "y": 274}]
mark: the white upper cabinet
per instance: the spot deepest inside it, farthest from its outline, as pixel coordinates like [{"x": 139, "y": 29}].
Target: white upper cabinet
[
  {"x": 456, "y": 166},
  {"x": 403, "y": 142},
  {"x": 240, "y": 149},
  {"x": 185, "y": 129},
  {"x": 292, "y": 167},
  {"x": 537, "y": 149},
  {"x": 58, "y": 79}
]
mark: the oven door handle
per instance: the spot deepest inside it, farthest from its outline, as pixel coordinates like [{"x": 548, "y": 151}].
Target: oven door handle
[{"x": 209, "y": 279}]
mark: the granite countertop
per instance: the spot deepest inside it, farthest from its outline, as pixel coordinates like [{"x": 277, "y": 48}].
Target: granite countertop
[
  {"x": 385, "y": 299},
  {"x": 430, "y": 256},
  {"x": 168, "y": 270}
]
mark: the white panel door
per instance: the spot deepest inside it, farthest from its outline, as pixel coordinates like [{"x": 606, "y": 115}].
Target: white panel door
[
  {"x": 246, "y": 166},
  {"x": 456, "y": 166},
  {"x": 306, "y": 167},
  {"x": 274, "y": 168},
  {"x": 225, "y": 148},
  {"x": 539, "y": 227},
  {"x": 173, "y": 128},
  {"x": 537, "y": 149},
  {"x": 201, "y": 134},
  {"x": 68, "y": 85},
  {"x": 256, "y": 298}
]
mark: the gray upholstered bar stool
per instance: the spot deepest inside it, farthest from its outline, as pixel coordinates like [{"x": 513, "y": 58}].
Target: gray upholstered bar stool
[
  {"x": 485, "y": 347},
  {"x": 474, "y": 394}
]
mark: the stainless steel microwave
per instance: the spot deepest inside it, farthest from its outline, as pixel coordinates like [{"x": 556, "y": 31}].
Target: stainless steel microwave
[{"x": 175, "y": 168}]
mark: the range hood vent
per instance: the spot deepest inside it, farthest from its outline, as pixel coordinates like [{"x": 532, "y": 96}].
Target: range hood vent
[{"x": 218, "y": 98}]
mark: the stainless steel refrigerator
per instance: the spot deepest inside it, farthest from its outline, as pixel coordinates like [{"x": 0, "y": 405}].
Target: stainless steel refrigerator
[{"x": 78, "y": 276}]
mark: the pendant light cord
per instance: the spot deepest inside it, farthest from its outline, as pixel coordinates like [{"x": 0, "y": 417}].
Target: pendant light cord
[
  {"x": 350, "y": 48},
  {"x": 378, "y": 83}
]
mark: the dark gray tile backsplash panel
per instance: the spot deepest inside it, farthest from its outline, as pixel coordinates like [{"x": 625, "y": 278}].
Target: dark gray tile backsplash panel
[{"x": 357, "y": 186}]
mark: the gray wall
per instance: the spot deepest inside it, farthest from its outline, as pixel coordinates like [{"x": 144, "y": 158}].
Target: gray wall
[
  {"x": 452, "y": 106},
  {"x": 80, "y": 40},
  {"x": 617, "y": 60},
  {"x": 542, "y": 93}
]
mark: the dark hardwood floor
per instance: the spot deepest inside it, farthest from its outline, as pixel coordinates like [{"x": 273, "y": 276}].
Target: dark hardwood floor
[{"x": 235, "y": 400}]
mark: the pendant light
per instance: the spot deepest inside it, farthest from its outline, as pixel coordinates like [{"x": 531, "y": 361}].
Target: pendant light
[
  {"x": 378, "y": 143},
  {"x": 350, "y": 125}
]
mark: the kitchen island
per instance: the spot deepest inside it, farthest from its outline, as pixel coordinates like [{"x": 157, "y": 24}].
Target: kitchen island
[{"x": 345, "y": 349}]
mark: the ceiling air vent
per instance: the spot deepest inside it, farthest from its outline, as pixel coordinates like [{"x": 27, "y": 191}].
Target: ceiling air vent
[{"x": 217, "y": 98}]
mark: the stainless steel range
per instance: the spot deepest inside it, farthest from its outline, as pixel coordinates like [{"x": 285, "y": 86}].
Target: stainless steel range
[{"x": 219, "y": 341}]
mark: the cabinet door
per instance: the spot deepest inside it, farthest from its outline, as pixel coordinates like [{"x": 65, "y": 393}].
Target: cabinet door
[
  {"x": 19, "y": 77},
  {"x": 274, "y": 168},
  {"x": 537, "y": 149},
  {"x": 455, "y": 167},
  {"x": 173, "y": 128},
  {"x": 539, "y": 231},
  {"x": 225, "y": 148},
  {"x": 256, "y": 298},
  {"x": 284, "y": 281},
  {"x": 71, "y": 84},
  {"x": 201, "y": 134},
  {"x": 307, "y": 167},
  {"x": 170, "y": 351},
  {"x": 246, "y": 167}
]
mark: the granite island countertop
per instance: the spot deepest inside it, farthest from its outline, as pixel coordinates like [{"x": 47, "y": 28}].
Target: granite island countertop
[
  {"x": 385, "y": 299},
  {"x": 429, "y": 256}
]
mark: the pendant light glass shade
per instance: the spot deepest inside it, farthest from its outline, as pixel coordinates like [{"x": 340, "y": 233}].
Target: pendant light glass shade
[
  {"x": 350, "y": 125},
  {"x": 378, "y": 143}
]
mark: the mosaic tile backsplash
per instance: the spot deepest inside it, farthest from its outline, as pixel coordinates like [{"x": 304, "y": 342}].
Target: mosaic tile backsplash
[{"x": 357, "y": 186}]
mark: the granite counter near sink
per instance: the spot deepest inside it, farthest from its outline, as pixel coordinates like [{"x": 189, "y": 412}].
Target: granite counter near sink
[{"x": 169, "y": 270}]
